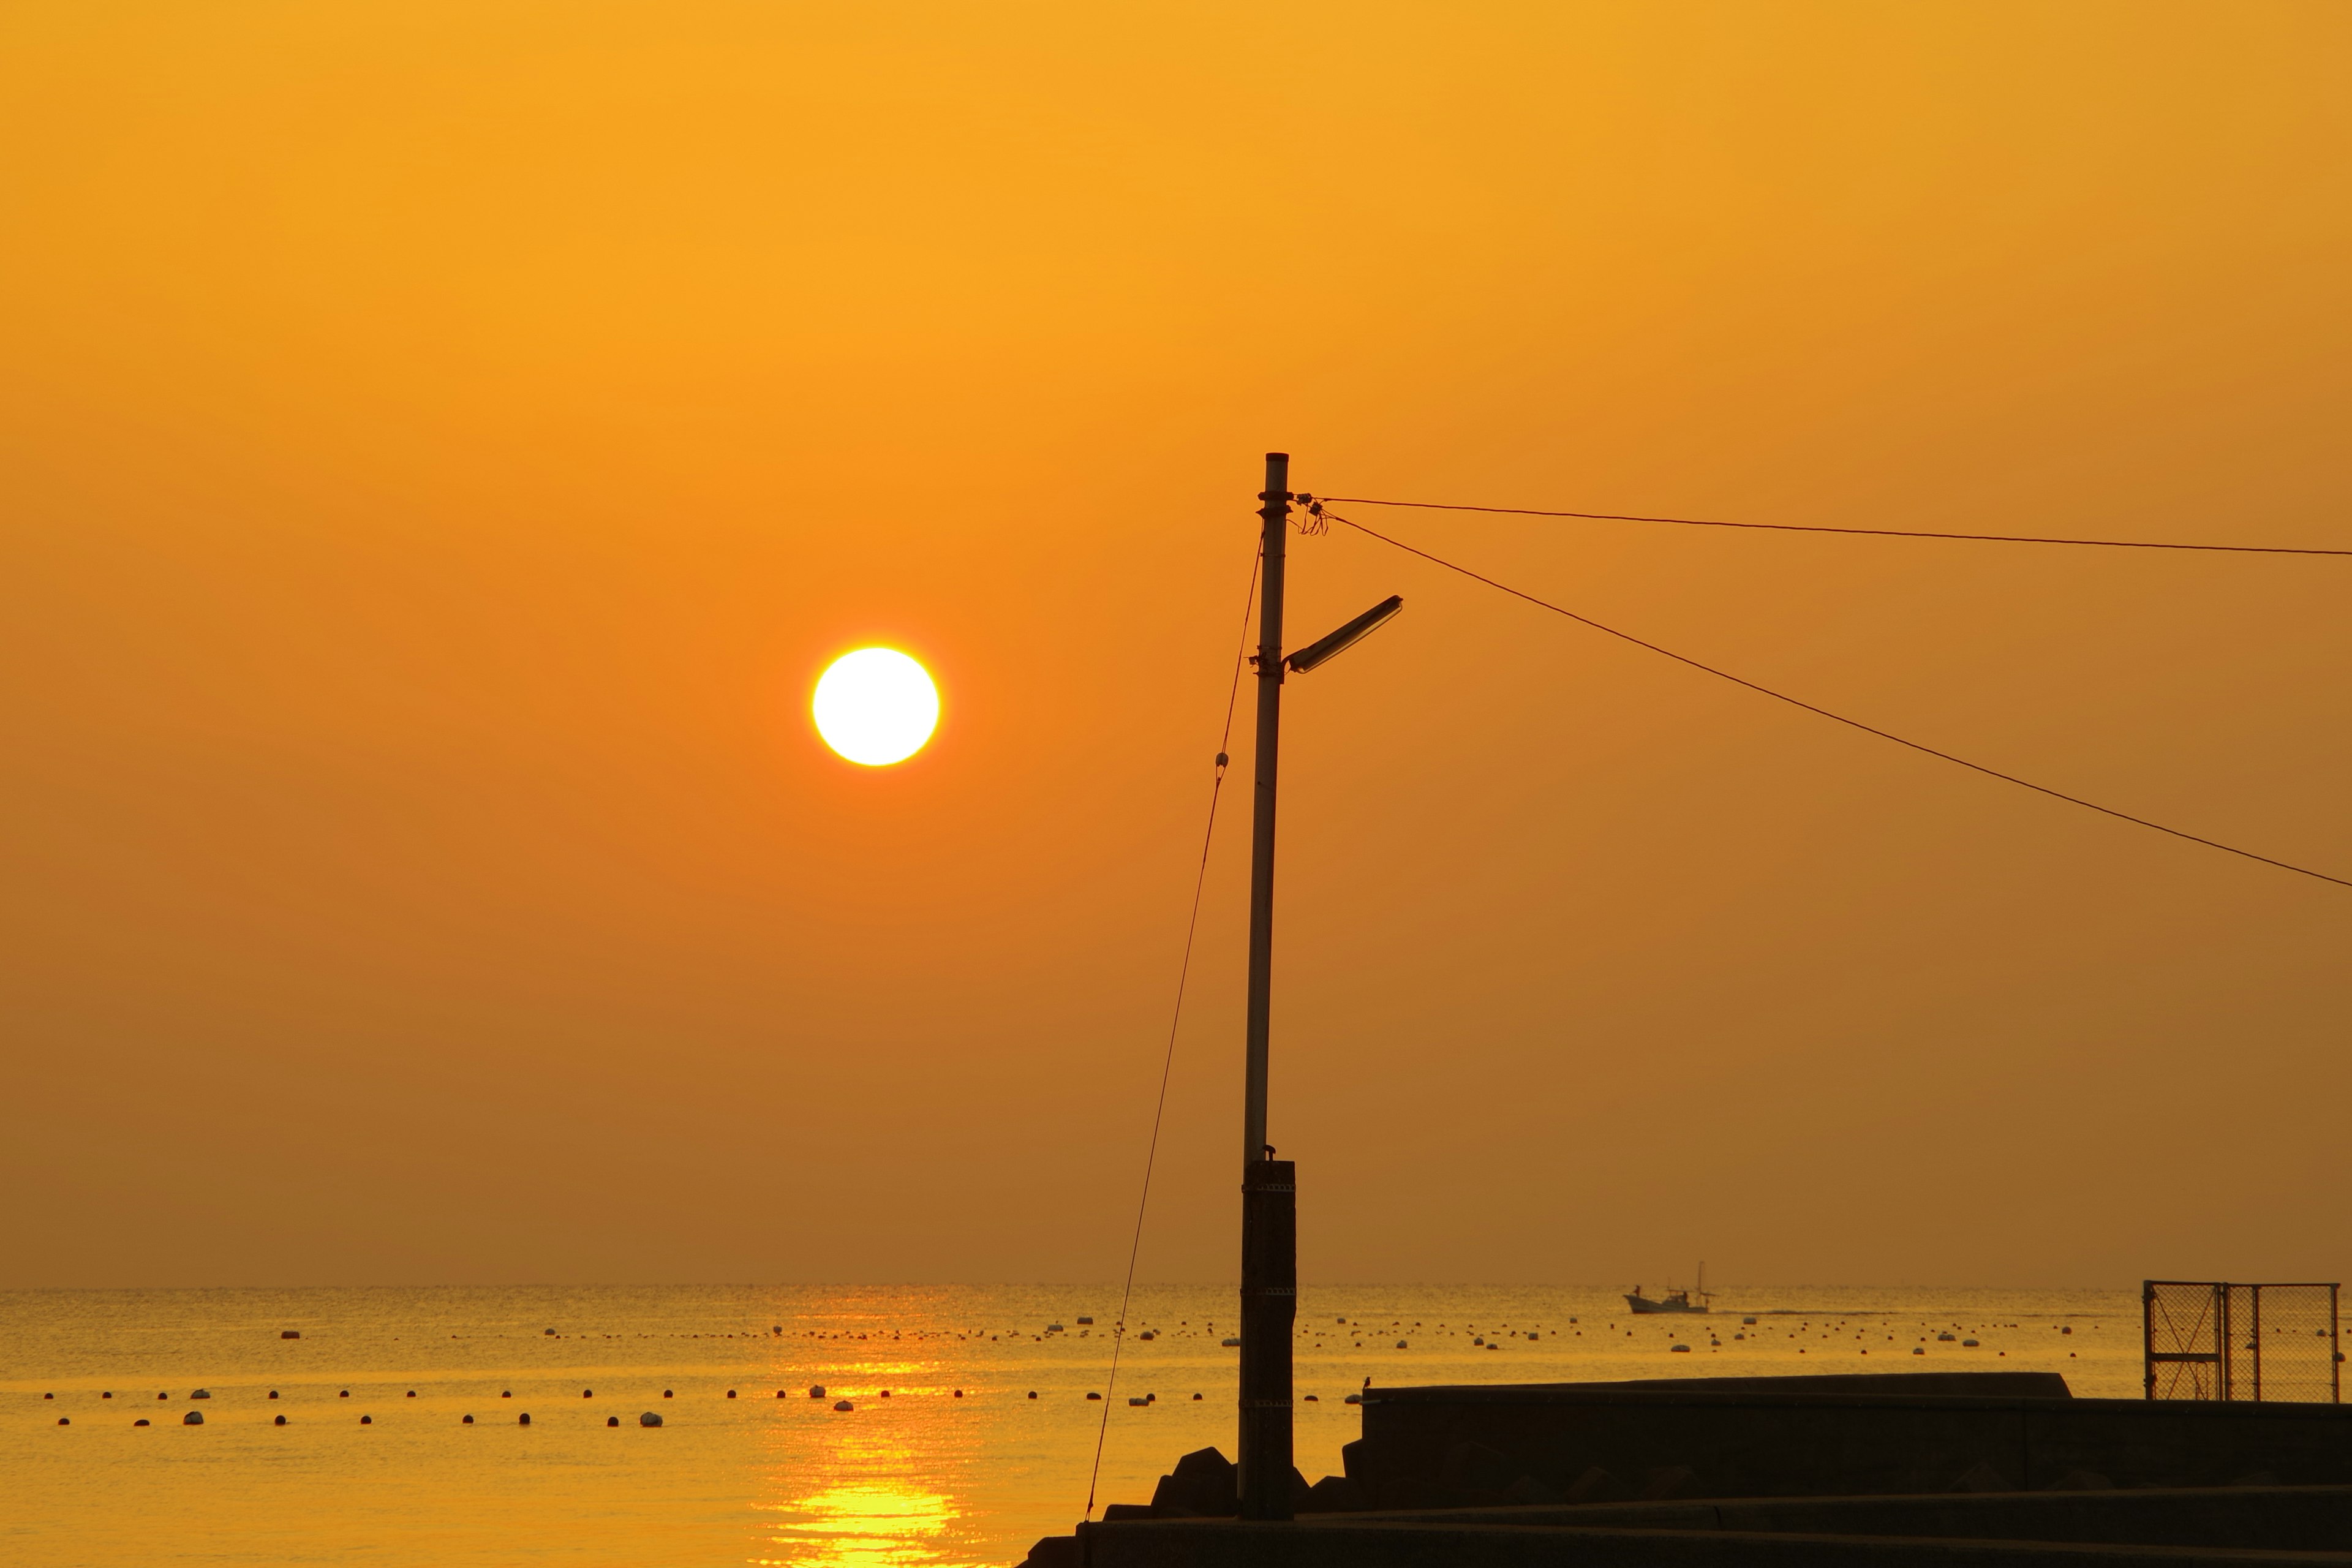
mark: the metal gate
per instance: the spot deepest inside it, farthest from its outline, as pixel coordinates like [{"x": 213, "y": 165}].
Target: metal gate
[{"x": 2211, "y": 1340}]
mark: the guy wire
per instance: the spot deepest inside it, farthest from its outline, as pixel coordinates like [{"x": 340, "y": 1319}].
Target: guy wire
[{"x": 1167, "y": 1062}]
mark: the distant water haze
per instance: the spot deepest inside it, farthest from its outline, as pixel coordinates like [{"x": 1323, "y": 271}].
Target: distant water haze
[{"x": 921, "y": 1476}]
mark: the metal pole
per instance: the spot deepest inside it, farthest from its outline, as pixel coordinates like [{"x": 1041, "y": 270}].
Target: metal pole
[
  {"x": 2255, "y": 1306},
  {"x": 1269, "y": 1188},
  {"x": 2226, "y": 1344}
]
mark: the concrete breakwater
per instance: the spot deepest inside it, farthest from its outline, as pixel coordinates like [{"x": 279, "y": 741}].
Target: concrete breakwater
[
  {"x": 2195, "y": 1528},
  {"x": 1735, "y": 1469}
]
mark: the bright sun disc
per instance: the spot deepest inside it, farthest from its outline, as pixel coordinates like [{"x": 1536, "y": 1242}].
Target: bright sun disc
[{"x": 875, "y": 706}]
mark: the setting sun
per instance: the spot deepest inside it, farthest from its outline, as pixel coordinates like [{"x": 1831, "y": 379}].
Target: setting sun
[{"x": 875, "y": 706}]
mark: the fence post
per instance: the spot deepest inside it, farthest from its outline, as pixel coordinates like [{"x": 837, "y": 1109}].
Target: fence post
[
  {"x": 2227, "y": 1344},
  {"x": 2254, "y": 1302}
]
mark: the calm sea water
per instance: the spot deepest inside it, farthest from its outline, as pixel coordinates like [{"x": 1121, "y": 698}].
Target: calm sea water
[{"x": 773, "y": 1475}]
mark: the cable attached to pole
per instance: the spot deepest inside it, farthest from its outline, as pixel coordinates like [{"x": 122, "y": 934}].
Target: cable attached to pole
[
  {"x": 1167, "y": 1062},
  {"x": 1823, "y": 528},
  {"x": 1840, "y": 718}
]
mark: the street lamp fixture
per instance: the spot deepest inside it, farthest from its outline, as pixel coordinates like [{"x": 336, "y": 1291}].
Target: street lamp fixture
[{"x": 1347, "y": 637}]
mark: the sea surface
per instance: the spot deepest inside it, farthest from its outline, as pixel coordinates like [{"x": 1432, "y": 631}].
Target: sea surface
[{"x": 945, "y": 1458}]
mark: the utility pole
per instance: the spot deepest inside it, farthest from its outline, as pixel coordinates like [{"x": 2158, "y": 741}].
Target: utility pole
[{"x": 1269, "y": 1186}]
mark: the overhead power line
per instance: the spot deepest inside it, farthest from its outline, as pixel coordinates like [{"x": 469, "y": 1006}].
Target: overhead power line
[
  {"x": 1825, "y": 528},
  {"x": 1840, "y": 718}
]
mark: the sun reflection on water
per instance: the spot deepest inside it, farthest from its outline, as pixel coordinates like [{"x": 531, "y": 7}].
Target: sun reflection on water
[{"x": 862, "y": 1524}]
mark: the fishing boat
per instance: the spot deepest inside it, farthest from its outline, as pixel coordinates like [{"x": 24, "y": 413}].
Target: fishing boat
[{"x": 1673, "y": 1299}]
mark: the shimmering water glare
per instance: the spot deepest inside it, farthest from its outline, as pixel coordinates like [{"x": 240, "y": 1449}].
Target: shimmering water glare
[{"x": 920, "y": 1477}]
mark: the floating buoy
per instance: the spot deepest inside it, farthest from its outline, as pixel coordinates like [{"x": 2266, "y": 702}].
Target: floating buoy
[
  {"x": 281, "y": 1420},
  {"x": 1086, "y": 1320},
  {"x": 666, "y": 1394},
  {"x": 201, "y": 1394},
  {"x": 1314, "y": 1399},
  {"x": 1351, "y": 1399},
  {"x": 344, "y": 1395},
  {"x": 290, "y": 1334},
  {"x": 1685, "y": 1349},
  {"x": 816, "y": 1391},
  {"x": 612, "y": 1421},
  {"x": 1196, "y": 1397},
  {"x": 587, "y": 1394},
  {"x": 1093, "y": 1395},
  {"x": 364, "y": 1420},
  {"x": 462, "y": 1420},
  {"x": 162, "y": 1396},
  {"x": 48, "y": 1396},
  {"x": 886, "y": 1393},
  {"x": 109, "y": 1394},
  {"x": 273, "y": 1394},
  {"x": 193, "y": 1418},
  {"x": 843, "y": 1404},
  {"x": 525, "y": 1419},
  {"x": 1136, "y": 1402},
  {"x": 65, "y": 1420},
  {"x": 547, "y": 1330},
  {"x": 649, "y": 1419},
  {"x": 1400, "y": 1344},
  {"x": 412, "y": 1393},
  {"x": 959, "y": 1393},
  {"x": 1032, "y": 1393},
  {"x": 1918, "y": 1349},
  {"x": 1230, "y": 1344},
  {"x": 140, "y": 1422},
  {"x": 505, "y": 1394}
]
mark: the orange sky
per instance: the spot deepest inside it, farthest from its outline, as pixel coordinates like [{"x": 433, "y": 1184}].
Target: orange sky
[{"x": 443, "y": 441}]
